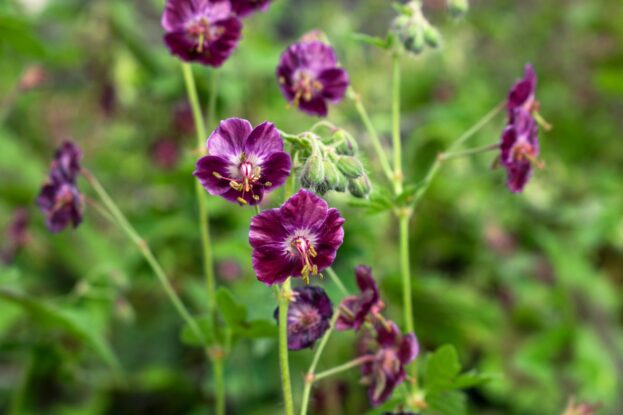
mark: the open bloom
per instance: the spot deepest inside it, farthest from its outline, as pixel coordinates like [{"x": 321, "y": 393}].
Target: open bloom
[
  {"x": 519, "y": 150},
  {"x": 386, "y": 370},
  {"x": 59, "y": 198},
  {"x": 243, "y": 8},
  {"x": 355, "y": 308},
  {"x": 308, "y": 316},
  {"x": 301, "y": 238},
  {"x": 204, "y": 31},
  {"x": 309, "y": 77},
  {"x": 243, "y": 161}
]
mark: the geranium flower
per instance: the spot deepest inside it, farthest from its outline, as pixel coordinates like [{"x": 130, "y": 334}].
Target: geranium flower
[
  {"x": 308, "y": 316},
  {"x": 309, "y": 77},
  {"x": 519, "y": 150},
  {"x": 243, "y": 162},
  {"x": 385, "y": 371},
  {"x": 522, "y": 94},
  {"x": 204, "y": 31},
  {"x": 59, "y": 198},
  {"x": 243, "y": 8},
  {"x": 355, "y": 308},
  {"x": 301, "y": 238}
]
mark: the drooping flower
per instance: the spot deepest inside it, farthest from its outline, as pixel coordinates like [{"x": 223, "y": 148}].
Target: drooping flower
[
  {"x": 59, "y": 198},
  {"x": 308, "y": 316},
  {"x": 204, "y": 31},
  {"x": 522, "y": 94},
  {"x": 355, "y": 308},
  {"x": 301, "y": 238},
  {"x": 310, "y": 77},
  {"x": 519, "y": 150},
  {"x": 243, "y": 8},
  {"x": 385, "y": 371},
  {"x": 243, "y": 162}
]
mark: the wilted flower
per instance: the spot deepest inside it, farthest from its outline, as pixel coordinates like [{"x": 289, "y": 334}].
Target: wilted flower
[
  {"x": 309, "y": 77},
  {"x": 308, "y": 316},
  {"x": 355, "y": 308},
  {"x": 204, "y": 31},
  {"x": 298, "y": 239},
  {"x": 243, "y": 8},
  {"x": 59, "y": 198},
  {"x": 519, "y": 150},
  {"x": 243, "y": 161},
  {"x": 386, "y": 370}
]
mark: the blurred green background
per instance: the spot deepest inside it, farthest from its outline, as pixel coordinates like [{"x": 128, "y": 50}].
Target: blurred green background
[{"x": 527, "y": 287}]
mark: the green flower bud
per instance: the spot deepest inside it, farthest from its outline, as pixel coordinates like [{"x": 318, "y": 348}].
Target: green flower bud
[
  {"x": 346, "y": 143},
  {"x": 331, "y": 175},
  {"x": 350, "y": 166},
  {"x": 312, "y": 173},
  {"x": 342, "y": 183},
  {"x": 432, "y": 36},
  {"x": 458, "y": 8},
  {"x": 413, "y": 39},
  {"x": 360, "y": 187}
]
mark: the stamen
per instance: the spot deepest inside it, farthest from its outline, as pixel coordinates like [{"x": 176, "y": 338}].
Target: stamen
[{"x": 242, "y": 201}]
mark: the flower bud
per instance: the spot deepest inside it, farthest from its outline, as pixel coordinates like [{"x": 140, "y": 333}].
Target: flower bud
[
  {"x": 346, "y": 143},
  {"x": 342, "y": 183},
  {"x": 312, "y": 173},
  {"x": 413, "y": 39},
  {"x": 360, "y": 187},
  {"x": 458, "y": 8},
  {"x": 432, "y": 36},
  {"x": 350, "y": 166},
  {"x": 331, "y": 175}
]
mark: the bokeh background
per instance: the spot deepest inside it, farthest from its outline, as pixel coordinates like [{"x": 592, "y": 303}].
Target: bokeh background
[{"x": 527, "y": 287}]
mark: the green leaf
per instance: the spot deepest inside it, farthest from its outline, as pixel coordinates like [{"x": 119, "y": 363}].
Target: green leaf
[
  {"x": 232, "y": 312},
  {"x": 377, "y": 203},
  {"x": 256, "y": 329},
  {"x": 372, "y": 40},
  {"x": 441, "y": 369},
  {"x": 73, "y": 323},
  {"x": 447, "y": 403},
  {"x": 471, "y": 379},
  {"x": 206, "y": 325}
]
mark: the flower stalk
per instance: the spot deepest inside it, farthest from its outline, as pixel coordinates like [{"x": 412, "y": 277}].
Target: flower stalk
[{"x": 283, "y": 298}]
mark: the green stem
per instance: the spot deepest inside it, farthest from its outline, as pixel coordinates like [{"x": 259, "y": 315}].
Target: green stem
[
  {"x": 341, "y": 368},
  {"x": 283, "y": 297},
  {"x": 144, "y": 249},
  {"x": 468, "y": 152},
  {"x": 434, "y": 169},
  {"x": 309, "y": 378},
  {"x": 204, "y": 222},
  {"x": 406, "y": 272},
  {"x": 334, "y": 277},
  {"x": 374, "y": 137},
  {"x": 17, "y": 400},
  {"x": 397, "y": 145},
  {"x": 212, "y": 97},
  {"x": 258, "y": 210}
]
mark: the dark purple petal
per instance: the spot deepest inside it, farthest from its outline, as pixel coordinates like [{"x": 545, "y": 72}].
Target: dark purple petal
[
  {"x": 243, "y": 8},
  {"x": 409, "y": 349},
  {"x": 263, "y": 141},
  {"x": 266, "y": 236},
  {"x": 205, "y": 169},
  {"x": 519, "y": 149},
  {"x": 308, "y": 316},
  {"x": 66, "y": 164},
  {"x": 316, "y": 106},
  {"x": 334, "y": 84},
  {"x": 330, "y": 238},
  {"x": 304, "y": 210},
  {"x": 229, "y": 137},
  {"x": 61, "y": 204},
  {"x": 522, "y": 94},
  {"x": 356, "y": 308},
  {"x": 387, "y": 334},
  {"x": 276, "y": 170},
  {"x": 178, "y": 14}
]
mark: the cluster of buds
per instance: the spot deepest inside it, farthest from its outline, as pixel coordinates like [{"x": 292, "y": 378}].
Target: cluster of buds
[
  {"x": 332, "y": 164},
  {"x": 413, "y": 30}
]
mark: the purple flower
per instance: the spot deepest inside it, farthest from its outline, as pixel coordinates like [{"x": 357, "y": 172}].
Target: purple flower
[
  {"x": 519, "y": 150},
  {"x": 15, "y": 236},
  {"x": 308, "y": 316},
  {"x": 309, "y": 77},
  {"x": 59, "y": 198},
  {"x": 522, "y": 94},
  {"x": 243, "y": 8},
  {"x": 204, "y": 31},
  {"x": 298, "y": 239},
  {"x": 355, "y": 308},
  {"x": 243, "y": 161},
  {"x": 385, "y": 370}
]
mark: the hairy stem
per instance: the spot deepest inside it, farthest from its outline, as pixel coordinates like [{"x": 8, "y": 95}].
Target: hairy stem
[
  {"x": 396, "y": 142},
  {"x": 283, "y": 297},
  {"x": 406, "y": 273},
  {"x": 334, "y": 277},
  {"x": 342, "y": 368}
]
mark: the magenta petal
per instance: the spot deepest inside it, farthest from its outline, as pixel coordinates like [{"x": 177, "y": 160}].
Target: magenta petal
[
  {"x": 335, "y": 82},
  {"x": 316, "y": 106},
  {"x": 177, "y": 13},
  {"x": 409, "y": 349},
  {"x": 270, "y": 267},
  {"x": 276, "y": 170},
  {"x": 330, "y": 238},
  {"x": 263, "y": 141},
  {"x": 304, "y": 209},
  {"x": 228, "y": 139},
  {"x": 205, "y": 169}
]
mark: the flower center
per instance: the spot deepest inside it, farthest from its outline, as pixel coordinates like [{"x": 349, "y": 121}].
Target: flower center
[
  {"x": 64, "y": 198},
  {"x": 525, "y": 152},
  {"x": 250, "y": 176},
  {"x": 305, "y": 87},
  {"x": 306, "y": 253},
  {"x": 303, "y": 318},
  {"x": 203, "y": 32}
]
